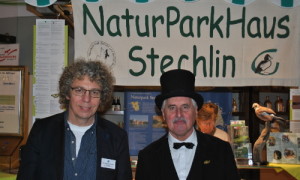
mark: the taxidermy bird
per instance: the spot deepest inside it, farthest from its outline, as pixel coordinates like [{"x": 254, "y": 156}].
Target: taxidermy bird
[{"x": 267, "y": 115}]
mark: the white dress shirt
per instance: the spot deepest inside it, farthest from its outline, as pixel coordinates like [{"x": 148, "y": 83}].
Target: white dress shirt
[{"x": 183, "y": 157}]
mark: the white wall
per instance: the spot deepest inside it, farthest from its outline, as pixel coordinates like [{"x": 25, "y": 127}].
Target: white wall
[{"x": 8, "y": 11}]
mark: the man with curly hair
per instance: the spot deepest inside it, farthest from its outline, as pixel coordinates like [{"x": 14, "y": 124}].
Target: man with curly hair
[{"x": 78, "y": 143}]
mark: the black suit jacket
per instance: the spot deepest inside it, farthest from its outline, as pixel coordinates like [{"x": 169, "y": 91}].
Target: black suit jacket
[
  {"x": 213, "y": 160},
  {"x": 43, "y": 155}
]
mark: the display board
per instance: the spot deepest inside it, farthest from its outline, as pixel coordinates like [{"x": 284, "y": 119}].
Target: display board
[
  {"x": 12, "y": 84},
  {"x": 14, "y": 109},
  {"x": 283, "y": 147}
]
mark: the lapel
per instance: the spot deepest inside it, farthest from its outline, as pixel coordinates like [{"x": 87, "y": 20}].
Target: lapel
[
  {"x": 201, "y": 158},
  {"x": 167, "y": 168},
  {"x": 59, "y": 147},
  {"x": 103, "y": 147}
]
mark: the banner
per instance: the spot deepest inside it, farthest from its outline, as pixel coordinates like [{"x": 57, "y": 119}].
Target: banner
[{"x": 223, "y": 42}]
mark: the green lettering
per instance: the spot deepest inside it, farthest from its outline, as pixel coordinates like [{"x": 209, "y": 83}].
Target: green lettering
[
  {"x": 86, "y": 12},
  {"x": 154, "y": 21},
  {"x": 217, "y": 63},
  {"x": 215, "y": 24},
  {"x": 196, "y": 61},
  {"x": 283, "y": 27},
  {"x": 256, "y": 22},
  {"x": 152, "y": 58},
  {"x": 181, "y": 59},
  {"x": 175, "y": 21},
  {"x": 166, "y": 62},
  {"x": 189, "y": 21},
  {"x": 271, "y": 32},
  {"x": 199, "y": 22},
  {"x": 117, "y": 32},
  {"x": 127, "y": 18},
  {"x": 146, "y": 32},
  {"x": 137, "y": 59},
  {"x": 232, "y": 22},
  {"x": 225, "y": 59}
]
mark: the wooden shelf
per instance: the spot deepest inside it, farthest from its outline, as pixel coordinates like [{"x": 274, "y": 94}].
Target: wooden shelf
[{"x": 114, "y": 113}]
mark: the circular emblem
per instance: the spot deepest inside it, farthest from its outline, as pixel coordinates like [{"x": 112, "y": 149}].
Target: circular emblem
[
  {"x": 40, "y": 3},
  {"x": 102, "y": 51}
]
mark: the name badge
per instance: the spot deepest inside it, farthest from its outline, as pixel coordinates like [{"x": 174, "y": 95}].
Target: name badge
[{"x": 108, "y": 163}]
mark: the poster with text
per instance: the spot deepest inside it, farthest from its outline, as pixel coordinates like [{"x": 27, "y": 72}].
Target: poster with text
[{"x": 142, "y": 122}]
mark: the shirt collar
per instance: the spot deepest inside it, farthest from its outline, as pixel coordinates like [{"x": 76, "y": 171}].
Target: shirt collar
[
  {"x": 192, "y": 138},
  {"x": 66, "y": 113}
]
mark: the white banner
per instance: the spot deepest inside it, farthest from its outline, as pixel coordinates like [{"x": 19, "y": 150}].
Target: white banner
[{"x": 224, "y": 43}]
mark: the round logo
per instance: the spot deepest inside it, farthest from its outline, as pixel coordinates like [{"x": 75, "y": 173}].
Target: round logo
[{"x": 103, "y": 52}]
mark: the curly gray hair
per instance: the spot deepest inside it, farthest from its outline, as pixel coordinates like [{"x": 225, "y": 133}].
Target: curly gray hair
[{"x": 96, "y": 71}]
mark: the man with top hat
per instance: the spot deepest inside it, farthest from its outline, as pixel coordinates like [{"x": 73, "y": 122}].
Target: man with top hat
[{"x": 184, "y": 153}]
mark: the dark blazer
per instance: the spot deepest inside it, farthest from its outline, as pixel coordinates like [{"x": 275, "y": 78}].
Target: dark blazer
[
  {"x": 43, "y": 156},
  {"x": 213, "y": 160}
]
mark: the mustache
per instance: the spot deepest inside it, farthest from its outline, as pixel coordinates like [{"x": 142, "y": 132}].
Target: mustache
[{"x": 179, "y": 119}]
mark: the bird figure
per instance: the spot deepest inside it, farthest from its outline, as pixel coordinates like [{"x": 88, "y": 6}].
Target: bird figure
[
  {"x": 264, "y": 64},
  {"x": 106, "y": 54},
  {"x": 267, "y": 115}
]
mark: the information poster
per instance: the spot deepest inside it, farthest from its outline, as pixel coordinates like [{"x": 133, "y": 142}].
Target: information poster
[
  {"x": 283, "y": 148},
  {"x": 10, "y": 94},
  {"x": 142, "y": 122},
  {"x": 295, "y": 110},
  {"x": 50, "y": 59}
]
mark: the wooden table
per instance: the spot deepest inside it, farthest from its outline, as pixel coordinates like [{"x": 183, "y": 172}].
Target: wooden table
[
  {"x": 7, "y": 176},
  {"x": 265, "y": 173}
]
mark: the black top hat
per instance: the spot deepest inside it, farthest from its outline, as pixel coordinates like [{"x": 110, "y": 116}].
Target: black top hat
[{"x": 178, "y": 82}]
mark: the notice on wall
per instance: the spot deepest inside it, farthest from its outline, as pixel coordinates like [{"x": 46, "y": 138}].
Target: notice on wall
[
  {"x": 295, "y": 126},
  {"x": 9, "y": 54},
  {"x": 9, "y": 101},
  {"x": 295, "y": 110},
  {"x": 50, "y": 59}
]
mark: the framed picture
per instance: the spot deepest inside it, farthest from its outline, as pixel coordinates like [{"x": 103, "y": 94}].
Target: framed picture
[{"x": 12, "y": 100}]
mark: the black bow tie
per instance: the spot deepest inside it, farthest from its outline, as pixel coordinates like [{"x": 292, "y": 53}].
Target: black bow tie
[{"x": 188, "y": 145}]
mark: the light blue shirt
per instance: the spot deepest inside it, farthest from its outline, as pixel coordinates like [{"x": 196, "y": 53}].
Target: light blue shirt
[{"x": 83, "y": 166}]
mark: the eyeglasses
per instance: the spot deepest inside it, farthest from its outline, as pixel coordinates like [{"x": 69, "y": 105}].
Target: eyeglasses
[{"x": 79, "y": 91}]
